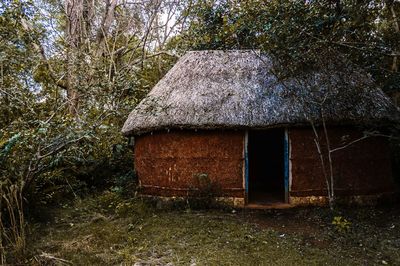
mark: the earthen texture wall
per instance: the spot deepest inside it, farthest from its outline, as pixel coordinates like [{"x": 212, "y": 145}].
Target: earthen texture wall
[
  {"x": 363, "y": 168},
  {"x": 174, "y": 163}
]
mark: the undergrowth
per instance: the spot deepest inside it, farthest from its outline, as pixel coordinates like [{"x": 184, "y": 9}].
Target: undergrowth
[{"x": 111, "y": 228}]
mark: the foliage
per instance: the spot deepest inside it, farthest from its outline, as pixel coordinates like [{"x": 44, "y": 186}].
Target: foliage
[
  {"x": 341, "y": 224},
  {"x": 12, "y": 221},
  {"x": 203, "y": 194},
  {"x": 64, "y": 98},
  {"x": 298, "y": 32},
  {"x": 71, "y": 71}
]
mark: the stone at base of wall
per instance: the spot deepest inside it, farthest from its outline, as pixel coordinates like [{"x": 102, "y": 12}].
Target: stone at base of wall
[
  {"x": 232, "y": 201},
  {"x": 360, "y": 200},
  {"x": 235, "y": 202},
  {"x": 162, "y": 202}
]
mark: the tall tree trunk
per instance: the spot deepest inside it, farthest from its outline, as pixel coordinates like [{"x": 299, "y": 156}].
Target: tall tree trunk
[
  {"x": 395, "y": 64},
  {"x": 74, "y": 10},
  {"x": 395, "y": 67},
  {"x": 107, "y": 20}
]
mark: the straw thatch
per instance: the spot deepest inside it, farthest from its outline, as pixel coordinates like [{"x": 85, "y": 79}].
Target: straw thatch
[{"x": 240, "y": 89}]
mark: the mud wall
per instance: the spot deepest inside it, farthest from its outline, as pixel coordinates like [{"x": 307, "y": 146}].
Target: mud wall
[
  {"x": 363, "y": 168},
  {"x": 178, "y": 163}
]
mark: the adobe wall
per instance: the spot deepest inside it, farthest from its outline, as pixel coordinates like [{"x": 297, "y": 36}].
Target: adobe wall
[
  {"x": 363, "y": 168},
  {"x": 174, "y": 163}
]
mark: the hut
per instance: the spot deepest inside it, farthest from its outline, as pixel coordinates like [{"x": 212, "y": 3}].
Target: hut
[{"x": 225, "y": 121}]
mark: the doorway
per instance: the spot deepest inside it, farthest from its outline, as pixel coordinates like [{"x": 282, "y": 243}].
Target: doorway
[{"x": 266, "y": 166}]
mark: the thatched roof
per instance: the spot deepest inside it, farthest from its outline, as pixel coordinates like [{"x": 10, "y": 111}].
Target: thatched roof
[{"x": 238, "y": 89}]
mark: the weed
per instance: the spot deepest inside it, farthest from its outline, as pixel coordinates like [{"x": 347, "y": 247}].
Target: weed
[
  {"x": 203, "y": 194},
  {"x": 341, "y": 224}
]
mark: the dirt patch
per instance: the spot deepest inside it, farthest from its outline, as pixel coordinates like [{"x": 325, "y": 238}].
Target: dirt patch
[{"x": 287, "y": 221}]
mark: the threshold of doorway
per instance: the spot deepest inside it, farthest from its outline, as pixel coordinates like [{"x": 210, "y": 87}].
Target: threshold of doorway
[{"x": 268, "y": 206}]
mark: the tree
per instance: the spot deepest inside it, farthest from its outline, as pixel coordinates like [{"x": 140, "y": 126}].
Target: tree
[
  {"x": 70, "y": 72},
  {"x": 298, "y": 31}
]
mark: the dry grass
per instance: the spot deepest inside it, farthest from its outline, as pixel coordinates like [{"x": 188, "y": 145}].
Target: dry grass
[{"x": 107, "y": 230}]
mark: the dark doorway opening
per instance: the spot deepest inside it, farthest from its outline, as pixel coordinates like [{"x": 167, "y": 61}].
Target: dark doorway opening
[{"x": 266, "y": 171}]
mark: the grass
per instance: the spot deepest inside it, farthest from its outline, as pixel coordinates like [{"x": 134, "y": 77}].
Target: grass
[{"x": 107, "y": 230}]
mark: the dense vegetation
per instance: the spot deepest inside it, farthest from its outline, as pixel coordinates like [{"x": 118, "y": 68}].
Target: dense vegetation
[{"x": 71, "y": 70}]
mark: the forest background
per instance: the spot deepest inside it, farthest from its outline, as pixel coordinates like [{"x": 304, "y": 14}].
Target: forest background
[{"x": 72, "y": 70}]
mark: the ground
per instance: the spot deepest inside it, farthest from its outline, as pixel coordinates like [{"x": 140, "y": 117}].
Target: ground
[{"x": 108, "y": 229}]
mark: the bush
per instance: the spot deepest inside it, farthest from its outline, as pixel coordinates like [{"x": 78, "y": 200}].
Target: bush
[{"x": 203, "y": 194}]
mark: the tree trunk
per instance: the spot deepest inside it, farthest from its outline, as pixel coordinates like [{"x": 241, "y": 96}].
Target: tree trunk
[
  {"x": 74, "y": 10},
  {"x": 395, "y": 67},
  {"x": 395, "y": 64}
]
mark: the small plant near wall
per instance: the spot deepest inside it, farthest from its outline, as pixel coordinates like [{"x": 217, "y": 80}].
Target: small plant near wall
[
  {"x": 341, "y": 224},
  {"x": 202, "y": 179},
  {"x": 203, "y": 193}
]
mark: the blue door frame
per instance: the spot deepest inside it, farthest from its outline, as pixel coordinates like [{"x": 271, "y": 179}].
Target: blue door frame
[
  {"x": 246, "y": 166},
  {"x": 286, "y": 165}
]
